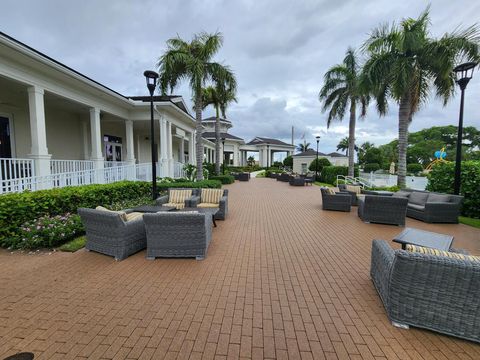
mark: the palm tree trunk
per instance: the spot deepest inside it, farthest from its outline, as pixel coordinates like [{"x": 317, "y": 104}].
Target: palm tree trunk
[
  {"x": 198, "y": 135},
  {"x": 351, "y": 140},
  {"x": 403, "y": 121},
  {"x": 217, "y": 142}
]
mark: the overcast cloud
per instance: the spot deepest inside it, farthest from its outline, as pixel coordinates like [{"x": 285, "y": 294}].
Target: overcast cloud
[{"x": 278, "y": 49}]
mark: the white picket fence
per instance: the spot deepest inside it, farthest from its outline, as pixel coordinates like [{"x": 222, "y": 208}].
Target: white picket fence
[{"x": 21, "y": 177}]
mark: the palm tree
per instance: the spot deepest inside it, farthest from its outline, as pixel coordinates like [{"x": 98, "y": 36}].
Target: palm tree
[
  {"x": 219, "y": 97},
  {"x": 192, "y": 61},
  {"x": 342, "y": 89},
  {"x": 405, "y": 64},
  {"x": 303, "y": 147},
  {"x": 343, "y": 145}
]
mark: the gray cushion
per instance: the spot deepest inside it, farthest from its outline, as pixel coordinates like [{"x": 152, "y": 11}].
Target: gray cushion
[
  {"x": 432, "y": 197},
  {"x": 402, "y": 194},
  {"x": 416, "y": 207},
  {"x": 418, "y": 198}
]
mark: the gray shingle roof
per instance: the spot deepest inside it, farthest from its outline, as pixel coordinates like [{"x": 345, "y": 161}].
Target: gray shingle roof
[
  {"x": 211, "y": 136},
  {"x": 261, "y": 140}
]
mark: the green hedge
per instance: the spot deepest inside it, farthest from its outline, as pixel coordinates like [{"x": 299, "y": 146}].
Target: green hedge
[
  {"x": 414, "y": 168},
  {"x": 441, "y": 179},
  {"x": 224, "y": 179},
  {"x": 27, "y": 207},
  {"x": 329, "y": 173}
]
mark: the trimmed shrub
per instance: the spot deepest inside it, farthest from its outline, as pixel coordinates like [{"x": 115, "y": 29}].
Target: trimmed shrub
[
  {"x": 224, "y": 179},
  {"x": 288, "y": 161},
  {"x": 322, "y": 162},
  {"x": 414, "y": 168},
  {"x": 441, "y": 179},
  {"x": 19, "y": 209},
  {"x": 371, "y": 167},
  {"x": 329, "y": 173}
]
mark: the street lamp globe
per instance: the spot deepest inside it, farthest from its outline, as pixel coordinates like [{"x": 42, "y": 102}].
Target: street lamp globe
[{"x": 151, "y": 78}]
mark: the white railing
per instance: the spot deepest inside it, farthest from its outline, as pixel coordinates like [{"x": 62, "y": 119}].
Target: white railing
[
  {"x": 108, "y": 164},
  {"x": 413, "y": 182},
  {"x": 354, "y": 180},
  {"x": 66, "y": 166},
  {"x": 178, "y": 171},
  {"x": 16, "y": 168}
]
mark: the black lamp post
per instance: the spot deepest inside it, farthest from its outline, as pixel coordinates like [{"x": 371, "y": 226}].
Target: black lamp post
[
  {"x": 463, "y": 73},
  {"x": 316, "y": 162},
  {"x": 223, "y": 153},
  {"x": 268, "y": 156},
  {"x": 151, "y": 77}
]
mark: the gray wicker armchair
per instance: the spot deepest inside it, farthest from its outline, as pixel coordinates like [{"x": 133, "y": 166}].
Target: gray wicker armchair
[
  {"x": 178, "y": 234},
  {"x": 382, "y": 209},
  {"x": 353, "y": 194},
  {"x": 297, "y": 181},
  {"x": 428, "y": 291},
  {"x": 338, "y": 202},
  {"x": 108, "y": 234},
  {"x": 223, "y": 204}
]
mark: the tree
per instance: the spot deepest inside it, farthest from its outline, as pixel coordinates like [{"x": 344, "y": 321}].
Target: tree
[
  {"x": 219, "y": 96},
  {"x": 304, "y": 147},
  {"x": 341, "y": 89},
  {"x": 405, "y": 64},
  {"x": 288, "y": 161},
  {"x": 373, "y": 156},
  {"x": 322, "y": 162},
  {"x": 362, "y": 150},
  {"x": 251, "y": 161},
  {"x": 343, "y": 145},
  {"x": 192, "y": 61}
]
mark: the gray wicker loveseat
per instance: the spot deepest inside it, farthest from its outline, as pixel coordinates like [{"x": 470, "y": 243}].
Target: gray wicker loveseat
[
  {"x": 178, "y": 197},
  {"x": 178, "y": 234},
  {"x": 108, "y": 233},
  {"x": 332, "y": 200},
  {"x": 428, "y": 291},
  {"x": 382, "y": 209},
  {"x": 201, "y": 200},
  {"x": 432, "y": 207}
]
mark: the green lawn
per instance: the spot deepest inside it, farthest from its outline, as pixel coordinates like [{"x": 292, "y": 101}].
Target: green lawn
[
  {"x": 469, "y": 221},
  {"x": 318, "y": 183},
  {"x": 74, "y": 245}
]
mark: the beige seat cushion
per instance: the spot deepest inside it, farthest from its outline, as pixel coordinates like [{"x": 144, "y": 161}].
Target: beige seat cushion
[
  {"x": 354, "y": 188},
  {"x": 207, "y": 205},
  {"x": 360, "y": 196},
  {"x": 134, "y": 216},
  {"x": 179, "y": 196},
  {"x": 177, "y": 206},
  {"x": 123, "y": 214},
  {"x": 211, "y": 196}
]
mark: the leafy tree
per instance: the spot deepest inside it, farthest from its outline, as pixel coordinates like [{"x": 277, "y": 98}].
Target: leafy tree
[
  {"x": 251, "y": 161},
  {"x": 322, "y": 162},
  {"x": 192, "y": 61},
  {"x": 369, "y": 167},
  {"x": 219, "y": 96},
  {"x": 342, "y": 89},
  {"x": 288, "y": 161},
  {"x": 303, "y": 147},
  {"x": 405, "y": 64},
  {"x": 343, "y": 145},
  {"x": 373, "y": 156},
  {"x": 362, "y": 150}
]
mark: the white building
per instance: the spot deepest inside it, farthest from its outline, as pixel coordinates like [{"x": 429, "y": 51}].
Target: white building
[
  {"x": 234, "y": 151},
  {"x": 302, "y": 161},
  {"x": 59, "y": 127}
]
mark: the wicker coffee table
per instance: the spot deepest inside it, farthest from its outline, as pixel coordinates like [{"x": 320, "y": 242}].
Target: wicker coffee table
[{"x": 424, "y": 238}]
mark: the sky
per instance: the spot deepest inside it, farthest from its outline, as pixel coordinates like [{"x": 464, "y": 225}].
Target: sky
[{"x": 278, "y": 49}]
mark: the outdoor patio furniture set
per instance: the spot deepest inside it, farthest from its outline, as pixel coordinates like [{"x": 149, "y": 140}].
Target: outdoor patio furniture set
[
  {"x": 294, "y": 180},
  {"x": 391, "y": 208},
  {"x": 241, "y": 176},
  {"x": 178, "y": 225}
]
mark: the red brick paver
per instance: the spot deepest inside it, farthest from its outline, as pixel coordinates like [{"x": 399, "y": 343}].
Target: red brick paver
[{"x": 282, "y": 279}]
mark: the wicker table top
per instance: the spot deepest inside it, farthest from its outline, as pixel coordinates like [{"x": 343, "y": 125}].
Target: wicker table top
[{"x": 424, "y": 238}]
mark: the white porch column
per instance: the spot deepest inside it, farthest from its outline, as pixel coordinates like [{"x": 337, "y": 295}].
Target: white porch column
[
  {"x": 38, "y": 131},
  {"x": 182, "y": 150},
  {"x": 191, "y": 148},
  {"x": 170, "y": 149},
  {"x": 86, "y": 153},
  {"x": 163, "y": 147},
  {"x": 130, "y": 147},
  {"x": 96, "y": 144}
]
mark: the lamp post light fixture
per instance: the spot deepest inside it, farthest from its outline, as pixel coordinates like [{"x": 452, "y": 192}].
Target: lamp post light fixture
[
  {"x": 463, "y": 74},
  {"x": 223, "y": 154},
  {"x": 316, "y": 162},
  {"x": 268, "y": 156},
  {"x": 151, "y": 78}
]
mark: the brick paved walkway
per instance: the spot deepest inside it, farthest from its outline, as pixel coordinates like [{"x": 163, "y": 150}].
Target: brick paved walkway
[{"x": 282, "y": 279}]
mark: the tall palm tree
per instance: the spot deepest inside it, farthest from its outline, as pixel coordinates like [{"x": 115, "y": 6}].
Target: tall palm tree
[
  {"x": 341, "y": 90},
  {"x": 219, "y": 96},
  {"x": 304, "y": 147},
  {"x": 344, "y": 144},
  {"x": 192, "y": 61},
  {"x": 405, "y": 64}
]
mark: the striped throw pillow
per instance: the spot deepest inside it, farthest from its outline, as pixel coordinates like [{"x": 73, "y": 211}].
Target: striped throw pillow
[
  {"x": 134, "y": 216},
  {"x": 211, "y": 196},
  {"x": 179, "y": 196},
  {"x": 354, "y": 188},
  {"x": 430, "y": 251}
]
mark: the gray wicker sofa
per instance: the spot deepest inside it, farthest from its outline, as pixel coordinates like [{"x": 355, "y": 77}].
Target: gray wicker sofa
[
  {"x": 338, "y": 202},
  {"x": 165, "y": 199},
  {"x": 432, "y": 207},
  {"x": 428, "y": 291},
  {"x": 178, "y": 234},
  {"x": 223, "y": 205},
  {"x": 382, "y": 209},
  {"x": 108, "y": 234}
]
